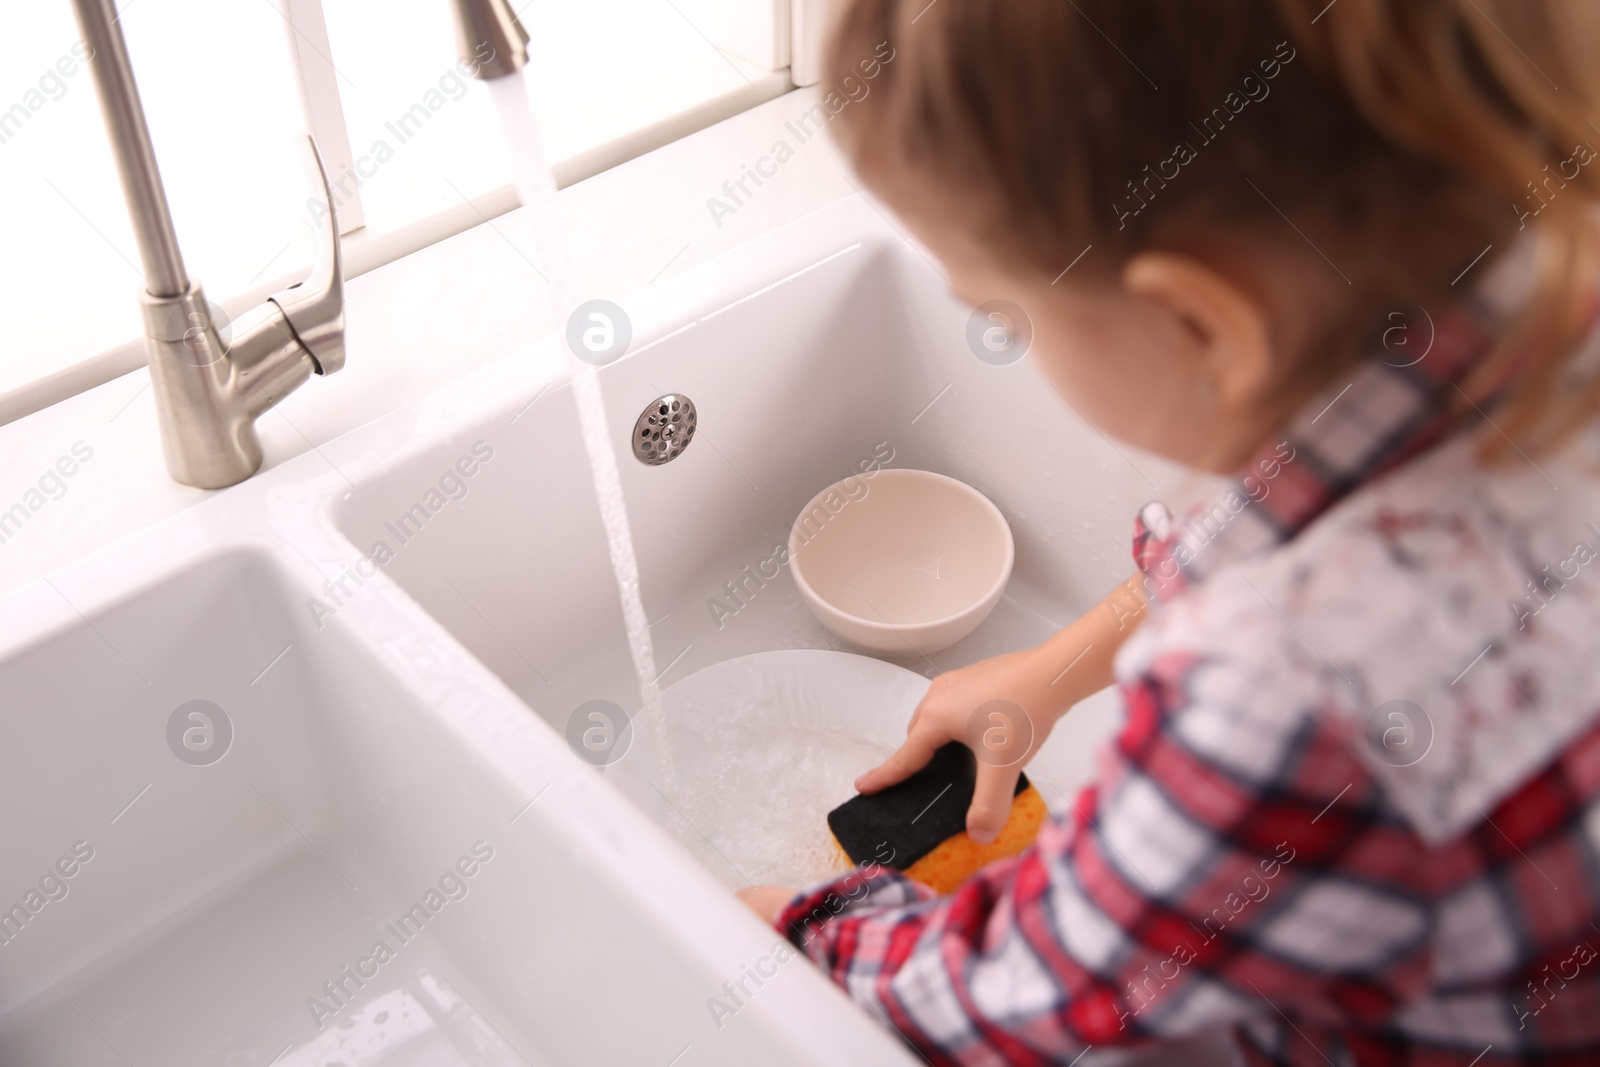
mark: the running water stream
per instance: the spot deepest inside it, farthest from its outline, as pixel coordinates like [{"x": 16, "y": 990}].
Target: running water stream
[{"x": 537, "y": 189}]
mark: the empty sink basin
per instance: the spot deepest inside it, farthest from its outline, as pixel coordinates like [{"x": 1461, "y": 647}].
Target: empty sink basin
[{"x": 239, "y": 836}]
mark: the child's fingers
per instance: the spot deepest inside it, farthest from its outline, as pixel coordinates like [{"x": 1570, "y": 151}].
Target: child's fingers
[
  {"x": 906, "y": 760},
  {"x": 991, "y": 801},
  {"x": 767, "y": 901}
]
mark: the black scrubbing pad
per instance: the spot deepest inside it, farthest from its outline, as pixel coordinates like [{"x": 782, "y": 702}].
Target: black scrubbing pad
[{"x": 905, "y": 822}]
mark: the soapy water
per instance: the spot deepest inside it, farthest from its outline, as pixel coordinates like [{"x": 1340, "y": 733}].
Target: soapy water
[
  {"x": 536, "y": 188},
  {"x": 757, "y": 797},
  {"x": 765, "y": 746}
]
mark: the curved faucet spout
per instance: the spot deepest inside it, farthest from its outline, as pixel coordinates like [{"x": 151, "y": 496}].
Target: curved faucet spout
[{"x": 489, "y": 39}]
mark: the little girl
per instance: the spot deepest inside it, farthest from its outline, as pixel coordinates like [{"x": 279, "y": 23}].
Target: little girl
[{"x": 1345, "y": 252}]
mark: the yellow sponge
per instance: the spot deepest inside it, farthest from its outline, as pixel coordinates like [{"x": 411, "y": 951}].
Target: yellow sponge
[
  {"x": 918, "y": 826},
  {"x": 955, "y": 859}
]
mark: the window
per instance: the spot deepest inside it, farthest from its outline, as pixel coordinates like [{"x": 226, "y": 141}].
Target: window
[
  {"x": 220, "y": 97},
  {"x": 223, "y": 97}
]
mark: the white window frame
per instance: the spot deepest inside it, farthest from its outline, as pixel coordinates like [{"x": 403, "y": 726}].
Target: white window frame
[
  {"x": 808, "y": 30},
  {"x": 759, "y": 33},
  {"x": 319, "y": 98}
]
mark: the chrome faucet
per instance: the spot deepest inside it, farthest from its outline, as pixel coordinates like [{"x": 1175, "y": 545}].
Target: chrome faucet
[
  {"x": 494, "y": 24},
  {"x": 209, "y": 393}
]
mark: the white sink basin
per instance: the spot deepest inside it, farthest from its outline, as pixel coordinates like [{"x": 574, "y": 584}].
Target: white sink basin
[
  {"x": 849, "y": 351},
  {"x": 378, "y": 699},
  {"x": 211, "y": 899}
]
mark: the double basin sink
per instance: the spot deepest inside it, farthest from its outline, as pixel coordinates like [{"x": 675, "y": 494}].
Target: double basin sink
[{"x": 287, "y": 776}]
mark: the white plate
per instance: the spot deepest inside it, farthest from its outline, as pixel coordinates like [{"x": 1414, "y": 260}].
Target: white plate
[{"x": 760, "y": 749}]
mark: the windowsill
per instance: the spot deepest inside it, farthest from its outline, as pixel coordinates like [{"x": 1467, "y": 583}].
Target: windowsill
[{"x": 418, "y": 320}]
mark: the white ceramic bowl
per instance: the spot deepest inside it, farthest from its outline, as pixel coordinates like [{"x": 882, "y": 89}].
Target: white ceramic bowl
[{"x": 904, "y": 562}]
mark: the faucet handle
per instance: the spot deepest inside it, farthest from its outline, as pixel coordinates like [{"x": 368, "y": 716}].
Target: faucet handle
[{"x": 314, "y": 308}]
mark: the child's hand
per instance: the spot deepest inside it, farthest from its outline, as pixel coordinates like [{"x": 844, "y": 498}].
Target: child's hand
[
  {"x": 1037, "y": 685},
  {"x": 1008, "y": 734},
  {"x": 767, "y": 901}
]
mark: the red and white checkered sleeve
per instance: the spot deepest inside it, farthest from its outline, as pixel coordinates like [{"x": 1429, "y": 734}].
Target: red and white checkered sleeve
[{"x": 1231, "y": 844}]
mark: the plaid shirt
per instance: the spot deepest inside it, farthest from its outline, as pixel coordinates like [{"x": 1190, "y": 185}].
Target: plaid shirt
[{"x": 1353, "y": 812}]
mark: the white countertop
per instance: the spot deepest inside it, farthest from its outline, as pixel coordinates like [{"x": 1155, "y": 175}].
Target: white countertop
[{"x": 414, "y": 325}]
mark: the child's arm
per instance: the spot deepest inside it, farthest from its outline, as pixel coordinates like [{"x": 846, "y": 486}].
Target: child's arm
[
  {"x": 1037, "y": 687},
  {"x": 1232, "y": 843}
]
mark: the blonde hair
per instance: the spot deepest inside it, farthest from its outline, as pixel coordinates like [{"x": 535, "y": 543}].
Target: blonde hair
[{"x": 1408, "y": 138}]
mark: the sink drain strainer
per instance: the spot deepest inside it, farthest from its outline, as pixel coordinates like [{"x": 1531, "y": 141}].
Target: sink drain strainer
[{"x": 664, "y": 429}]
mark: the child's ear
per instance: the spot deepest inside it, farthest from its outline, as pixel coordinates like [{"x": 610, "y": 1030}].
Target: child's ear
[{"x": 1226, "y": 323}]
